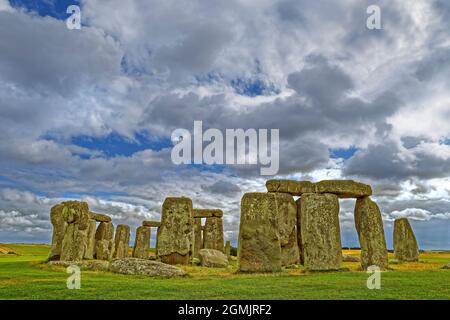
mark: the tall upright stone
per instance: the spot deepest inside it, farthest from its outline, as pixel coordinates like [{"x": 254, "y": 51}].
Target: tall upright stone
[
  {"x": 104, "y": 237},
  {"x": 298, "y": 202},
  {"x": 405, "y": 243},
  {"x": 198, "y": 240},
  {"x": 228, "y": 249},
  {"x": 320, "y": 232},
  {"x": 121, "y": 241},
  {"x": 213, "y": 234},
  {"x": 369, "y": 226},
  {"x": 176, "y": 234},
  {"x": 59, "y": 228},
  {"x": 287, "y": 223},
  {"x": 90, "y": 249},
  {"x": 259, "y": 248},
  {"x": 76, "y": 216},
  {"x": 141, "y": 248}
]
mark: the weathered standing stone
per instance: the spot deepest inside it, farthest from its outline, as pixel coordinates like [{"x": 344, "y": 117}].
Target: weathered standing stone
[
  {"x": 121, "y": 241},
  {"x": 344, "y": 188},
  {"x": 259, "y": 248},
  {"x": 100, "y": 217},
  {"x": 76, "y": 215},
  {"x": 176, "y": 234},
  {"x": 287, "y": 223},
  {"x": 213, "y": 234},
  {"x": 104, "y": 236},
  {"x": 350, "y": 258},
  {"x": 59, "y": 228},
  {"x": 293, "y": 187},
  {"x": 198, "y": 241},
  {"x": 299, "y": 231},
  {"x": 369, "y": 226},
  {"x": 90, "y": 249},
  {"x": 213, "y": 258},
  {"x": 320, "y": 232},
  {"x": 228, "y": 249},
  {"x": 405, "y": 243},
  {"x": 141, "y": 248}
]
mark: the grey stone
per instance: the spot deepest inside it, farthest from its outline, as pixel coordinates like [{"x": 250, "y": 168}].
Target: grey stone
[
  {"x": 141, "y": 248},
  {"x": 213, "y": 258},
  {"x": 145, "y": 267},
  {"x": 121, "y": 241},
  {"x": 405, "y": 243},
  {"x": 213, "y": 234}
]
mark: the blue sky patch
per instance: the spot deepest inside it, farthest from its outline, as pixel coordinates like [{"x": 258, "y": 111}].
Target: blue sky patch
[
  {"x": 116, "y": 145},
  {"x": 53, "y": 8},
  {"x": 343, "y": 153},
  {"x": 253, "y": 87}
]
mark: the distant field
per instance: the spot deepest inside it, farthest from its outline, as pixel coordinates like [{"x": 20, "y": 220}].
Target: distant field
[{"x": 22, "y": 276}]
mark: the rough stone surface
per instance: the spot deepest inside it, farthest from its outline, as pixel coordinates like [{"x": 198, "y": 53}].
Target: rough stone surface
[
  {"x": 59, "y": 228},
  {"x": 228, "y": 249},
  {"x": 141, "y": 248},
  {"x": 121, "y": 241},
  {"x": 207, "y": 213},
  {"x": 151, "y": 224},
  {"x": 176, "y": 234},
  {"x": 198, "y": 240},
  {"x": 213, "y": 258},
  {"x": 299, "y": 231},
  {"x": 135, "y": 266},
  {"x": 213, "y": 234},
  {"x": 344, "y": 188},
  {"x": 76, "y": 216},
  {"x": 104, "y": 249},
  {"x": 369, "y": 226},
  {"x": 405, "y": 243},
  {"x": 350, "y": 258},
  {"x": 90, "y": 249},
  {"x": 259, "y": 248},
  {"x": 321, "y": 240},
  {"x": 99, "y": 217},
  {"x": 104, "y": 236},
  {"x": 287, "y": 223},
  {"x": 293, "y": 187}
]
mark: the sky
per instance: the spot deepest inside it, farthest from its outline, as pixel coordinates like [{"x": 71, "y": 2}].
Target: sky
[{"x": 88, "y": 114}]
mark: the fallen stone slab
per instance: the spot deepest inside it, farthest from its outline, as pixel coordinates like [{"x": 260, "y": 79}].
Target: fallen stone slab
[
  {"x": 145, "y": 267},
  {"x": 99, "y": 217},
  {"x": 152, "y": 224},
  {"x": 344, "y": 188},
  {"x": 207, "y": 213},
  {"x": 213, "y": 258},
  {"x": 350, "y": 258},
  {"x": 94, "y": 265},
  {"x": 293, "y": 187}
]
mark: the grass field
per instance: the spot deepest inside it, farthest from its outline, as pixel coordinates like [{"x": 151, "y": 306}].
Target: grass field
[{"x": 23, "y": 276}]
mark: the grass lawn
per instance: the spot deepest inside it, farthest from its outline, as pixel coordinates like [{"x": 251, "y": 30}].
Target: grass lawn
[{"x": 23, "y": 276}]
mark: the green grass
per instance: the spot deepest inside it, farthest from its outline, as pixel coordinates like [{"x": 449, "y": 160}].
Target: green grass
[{"x": 25, "y": 277}]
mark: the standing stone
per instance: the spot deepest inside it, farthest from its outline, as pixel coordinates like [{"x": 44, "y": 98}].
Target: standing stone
[
  {"x": 213, "y": 234},
  {"x": 287, "y": 223},
  {"x": 228, "y": 249},
  {"x": 104, "y": 236},
  {"x": 405, "y": 243},
  {"x": 320, "y": 232},
  {"x": 298, "y": 202},
  {"x": 76, "y": 215},
  {"x": 59, "y": 228},
  {"x": 259, "y": 248},
  {"x": 142, "y": 243},
  {"x": 121, "y": 241},
  {"x": 90, "y": 249},
  {"x": 176, "y": 234},
  {"x": 369, "y": 226},
  {"x": 198, "y": 241}
]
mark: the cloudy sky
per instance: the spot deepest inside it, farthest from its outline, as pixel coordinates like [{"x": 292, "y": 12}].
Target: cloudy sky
[{"x": 88, "y": 114}]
